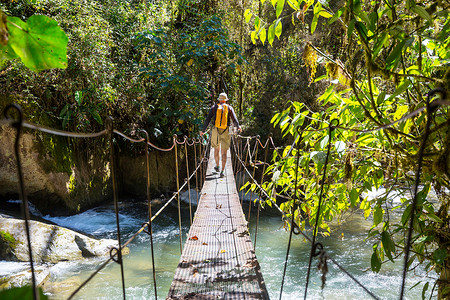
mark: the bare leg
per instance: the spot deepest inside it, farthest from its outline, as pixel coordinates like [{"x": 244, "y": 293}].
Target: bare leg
[
  {"x": 224, "y": 158},
  {"x": 216, "y": 155}
]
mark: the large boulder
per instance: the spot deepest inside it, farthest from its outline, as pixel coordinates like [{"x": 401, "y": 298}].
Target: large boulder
[{"x": 50, "y": 243}]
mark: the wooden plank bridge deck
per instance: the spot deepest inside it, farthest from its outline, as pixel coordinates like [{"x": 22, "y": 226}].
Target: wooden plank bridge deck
[{"x": 218, "y": 259}]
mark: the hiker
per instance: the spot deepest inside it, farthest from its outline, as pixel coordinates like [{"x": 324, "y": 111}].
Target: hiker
[{"x": 220, "y": 135}]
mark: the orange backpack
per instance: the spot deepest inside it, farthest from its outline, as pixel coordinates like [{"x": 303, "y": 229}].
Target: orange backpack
[{"x": 222, "y": 116}]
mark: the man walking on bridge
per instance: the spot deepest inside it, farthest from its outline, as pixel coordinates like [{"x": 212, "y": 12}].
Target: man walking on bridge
[{"x": 222, "y": 113}]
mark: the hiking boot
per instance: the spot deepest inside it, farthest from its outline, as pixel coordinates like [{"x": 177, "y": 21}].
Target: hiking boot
[
  {"x": 217, "y": 168},
  {"x": 221, "y": 174}
]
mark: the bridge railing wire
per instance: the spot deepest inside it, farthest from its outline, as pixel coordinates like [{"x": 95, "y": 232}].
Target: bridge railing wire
[
  {"x": 18, "y": 124},
  {"x": 317, "y": 248}
]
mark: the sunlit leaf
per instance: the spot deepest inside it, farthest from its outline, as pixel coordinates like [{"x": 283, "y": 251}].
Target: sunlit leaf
[
  {"x": 257, "y": 23},
  {"x": 253, "y": 37},
  {"x": 314, "y": 23},
  {"x": 401, "y": 110},
  {"x": 340, "y": 146},
  {"x": 280, "y": 6},
  {"x": 40, "y": 43},
  {"x": 247, "y": 15},
  {"x": 274, "y": 2},
  {"x": 262, "y": 35},
  {"x": 293, "y": 4},
  {"x": 278, "y": 28},
  {"x": 377, "y": 215},
  {"x": 271, "y": 34},
  {"x": 337, "y": 15},
  {"x": 324, "y": 142},
  {"x": 325, "y": 14}
]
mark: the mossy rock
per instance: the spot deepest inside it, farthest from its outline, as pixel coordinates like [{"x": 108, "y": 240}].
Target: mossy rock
[{"x": 7, "y": 245}]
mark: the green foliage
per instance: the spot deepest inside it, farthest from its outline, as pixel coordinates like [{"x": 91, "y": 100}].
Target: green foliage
[
  {"x": 393, "y": 58},
  {"x": 177, "y": 68},
  {"x": 39, "y": 43},
  {"x": 24, "y": 293}
]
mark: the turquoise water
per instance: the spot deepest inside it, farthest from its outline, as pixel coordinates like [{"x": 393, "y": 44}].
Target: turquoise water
[{"x": 353, "y": 252}]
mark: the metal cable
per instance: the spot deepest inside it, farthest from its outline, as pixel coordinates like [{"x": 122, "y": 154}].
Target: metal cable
[
  {"x": 246, "y": 150},
  {"x": 188, "y": 181},
  {"x": 255, "y": 151},
  {"x": 110, "y": 129},
  {"x": 149, "y": 205},
  {"x": 294, "y": 208},
  {"x": 430, "y": 110},
  {"x": 331, "y": 128},
  {"x": 266, "y": 150},
  {"x": 17, "y": 125},
  {"x": 178, "y": 192}
]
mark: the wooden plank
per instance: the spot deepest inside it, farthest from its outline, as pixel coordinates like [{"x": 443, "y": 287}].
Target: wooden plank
[{"x": 218, "y": 259}]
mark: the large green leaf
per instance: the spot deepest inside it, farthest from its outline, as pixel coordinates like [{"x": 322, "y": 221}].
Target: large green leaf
[
  {"x": 40, "y": 43},
  {"x": 24, "y": 293}
]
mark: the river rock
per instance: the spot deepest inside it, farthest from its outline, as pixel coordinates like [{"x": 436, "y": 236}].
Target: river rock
[
  {"x": 50, "y": 243},
  {"x": 41, "y": 273}
]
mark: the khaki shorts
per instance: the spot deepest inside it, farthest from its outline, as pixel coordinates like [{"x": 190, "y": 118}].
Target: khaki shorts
[{"x": 223, "y": 139}]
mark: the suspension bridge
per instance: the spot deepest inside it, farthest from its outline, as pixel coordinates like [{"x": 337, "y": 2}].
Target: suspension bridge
[{"x": 218, "y": 259}]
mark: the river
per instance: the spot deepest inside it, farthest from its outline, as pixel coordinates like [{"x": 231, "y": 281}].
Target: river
[{"x": 347, "y": 245}]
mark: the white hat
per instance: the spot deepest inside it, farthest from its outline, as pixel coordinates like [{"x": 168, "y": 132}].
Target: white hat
[{"x": 223, "y": 96}]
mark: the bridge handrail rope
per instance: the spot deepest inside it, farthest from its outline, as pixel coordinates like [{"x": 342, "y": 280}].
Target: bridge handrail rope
[{"x": 19, "y": 123}]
